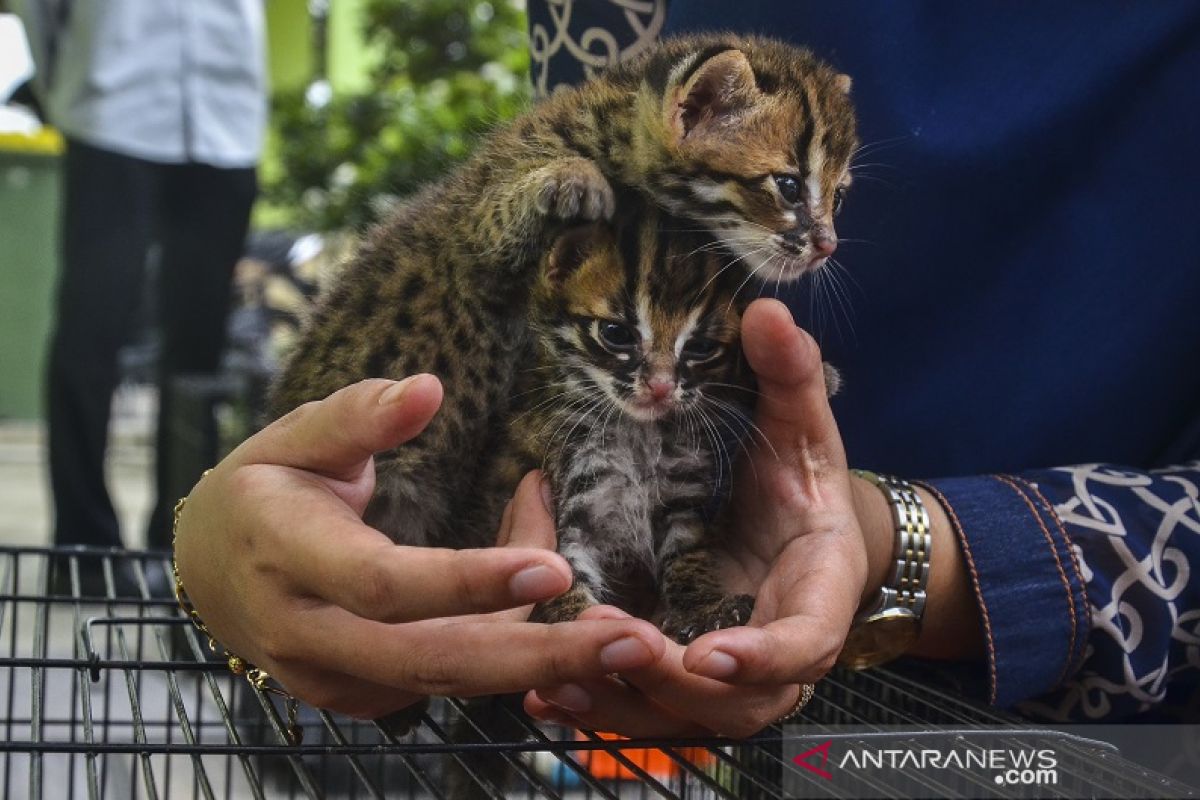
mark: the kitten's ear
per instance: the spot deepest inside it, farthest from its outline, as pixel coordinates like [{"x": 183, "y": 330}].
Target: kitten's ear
[
  {"x": 722, "y": 85},
  {"x": 569, "y": 251}
]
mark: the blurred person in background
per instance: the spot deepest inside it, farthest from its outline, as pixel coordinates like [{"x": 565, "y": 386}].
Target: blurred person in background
[{"x": 163, "y": 107}]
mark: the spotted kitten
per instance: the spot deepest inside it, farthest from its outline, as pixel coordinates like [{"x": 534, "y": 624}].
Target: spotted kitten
[
  {"x": 635, "y": 399},
  {"x": 748, "y": 138}
]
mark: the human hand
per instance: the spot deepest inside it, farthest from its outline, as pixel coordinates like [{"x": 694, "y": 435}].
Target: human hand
[
  {"x": 813, "y": 542},
  {"x": 798, "y": 544},
  {"x": 799, "y": 547},
  {"x": 275, "y": 557},
  {"x": 662, "y": 699}
]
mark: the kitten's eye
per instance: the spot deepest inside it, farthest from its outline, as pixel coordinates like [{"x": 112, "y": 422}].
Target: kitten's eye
[
  {"x": 839, "y": 197},
  {"x": 701, "y": 349},
  {"x": 789, "y": 188},
  {"x": 617, "y": 336}
]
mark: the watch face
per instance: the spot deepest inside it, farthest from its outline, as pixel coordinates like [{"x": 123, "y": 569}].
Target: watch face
[{"x": 879, "y": 638}]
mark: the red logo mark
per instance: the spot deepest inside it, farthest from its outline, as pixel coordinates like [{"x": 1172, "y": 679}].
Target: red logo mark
[{"x": 823, "y": 751}]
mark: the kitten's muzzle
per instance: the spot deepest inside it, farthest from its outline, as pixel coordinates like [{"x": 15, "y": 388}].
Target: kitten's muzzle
[
  {"x": 660, "y": 388},
  {"x": 821, "y": 238}
]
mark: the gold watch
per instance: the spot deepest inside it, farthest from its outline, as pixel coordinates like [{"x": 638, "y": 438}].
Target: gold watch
[{"x": 889, "y": 626}]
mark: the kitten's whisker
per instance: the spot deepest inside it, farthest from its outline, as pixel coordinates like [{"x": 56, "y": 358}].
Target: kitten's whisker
[
  {"x": 539, "y": 388},
  {"x": 570, "y": 389},
  {"x": 746, "y": 420},
  {"x": 875, "y": 179},
  {"x": 739, "y": 437},
  {"x": 742, "y": 285},
  {"x": 714, "y": 438},
  {"x": 754, "y": 392},
  {"x": 879, "y": 144},
  {"x": 841, "y": 294},
  {"x": 724, "y": 268}
]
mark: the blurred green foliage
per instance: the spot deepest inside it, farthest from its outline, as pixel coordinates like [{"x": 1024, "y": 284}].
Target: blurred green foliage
[{"x": 446, "y": 72}]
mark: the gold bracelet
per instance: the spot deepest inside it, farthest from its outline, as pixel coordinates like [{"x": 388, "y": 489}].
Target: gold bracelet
[
  {"x": 258, "y": 678},
  {"x": 807, "y": 690}
]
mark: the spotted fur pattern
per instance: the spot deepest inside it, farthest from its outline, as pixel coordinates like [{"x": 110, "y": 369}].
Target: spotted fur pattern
[{"x": 707, "y": 128}]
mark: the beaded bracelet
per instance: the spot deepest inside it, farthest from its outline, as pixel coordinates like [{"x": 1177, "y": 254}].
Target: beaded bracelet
[{"x": 258, "y": 678}]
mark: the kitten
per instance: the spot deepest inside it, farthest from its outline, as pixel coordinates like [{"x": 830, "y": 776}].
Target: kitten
[
  {"x": 633, "y": 395},
  {"x": 636, "y": 398},
  {"x": 747, "y": 137}
]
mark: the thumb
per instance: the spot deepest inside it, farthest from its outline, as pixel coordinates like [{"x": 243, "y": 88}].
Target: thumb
[
  {"x": 792, "y": 408},
  {"x": 527, "y": 520},
  {"x": 335, "y": 437}
]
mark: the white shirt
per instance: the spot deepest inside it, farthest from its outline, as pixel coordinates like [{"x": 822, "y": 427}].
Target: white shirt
[{"x": 173, "y": 81}]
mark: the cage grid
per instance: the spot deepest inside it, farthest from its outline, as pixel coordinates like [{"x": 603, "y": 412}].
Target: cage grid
[{"x": 108, "y": 691}]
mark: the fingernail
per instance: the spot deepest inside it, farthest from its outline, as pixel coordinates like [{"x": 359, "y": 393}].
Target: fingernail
[
  {"x": 535, "y": 583},
  {"x": 568, "y": 697},
  {"x": 717, "y": 665},
  {"x": 393, "y": 393},
  {"x": 547, "y": 498},
  {"x": 628, "y": 652},
  {"x": 610, "y": 612}
]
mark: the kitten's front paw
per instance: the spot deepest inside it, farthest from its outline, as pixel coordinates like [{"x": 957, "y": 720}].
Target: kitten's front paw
[
  {"x": 574, "y": 189},
  {"x": 833, "y": 379},
  {"x": 686, "y": 625}
]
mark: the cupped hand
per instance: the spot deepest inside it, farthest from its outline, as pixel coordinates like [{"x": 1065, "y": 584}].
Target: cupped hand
[
  {"x": 662, "y": 699},
  {"x": 275, "y": 557},
  {"x": 798, "y": 546}
]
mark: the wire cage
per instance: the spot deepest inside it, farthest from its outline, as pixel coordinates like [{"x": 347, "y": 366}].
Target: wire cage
[{"x": 107, "y": 691}]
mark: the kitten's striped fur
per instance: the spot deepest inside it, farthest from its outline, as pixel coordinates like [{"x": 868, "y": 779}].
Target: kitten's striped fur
[{"x": 636, "y": 399}]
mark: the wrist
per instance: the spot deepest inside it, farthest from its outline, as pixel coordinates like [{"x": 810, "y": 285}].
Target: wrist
[
  {"x": 953, "y": 628},
  {"x": 950, "y": 626},
  {"x": 875, "y": 520}
]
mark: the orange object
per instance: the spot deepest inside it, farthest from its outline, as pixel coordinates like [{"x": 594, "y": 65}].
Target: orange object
[{"x": 656, "y": 763}]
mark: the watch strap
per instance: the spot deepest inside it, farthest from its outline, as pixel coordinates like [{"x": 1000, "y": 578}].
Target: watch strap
[{"x": 909, "y": 575}]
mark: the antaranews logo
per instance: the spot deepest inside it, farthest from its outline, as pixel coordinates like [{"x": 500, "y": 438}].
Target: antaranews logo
[
  {"x": 822, "y": 750},
  {"x": 897, "y": 761}
]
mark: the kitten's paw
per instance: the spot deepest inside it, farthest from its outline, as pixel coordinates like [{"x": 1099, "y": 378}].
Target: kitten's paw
[
  {"x": 833, "y": 379},
  {"x": 564, "y": 608},
  {"x": 574, "y": 189},
  {"x": 684, "y": 626}
]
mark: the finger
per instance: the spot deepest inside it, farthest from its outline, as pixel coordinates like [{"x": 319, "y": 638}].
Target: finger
[
  {"x": 762, "y": 656},
  {"x": 792, "y": 408},
  {"x": 530, "y": 523},
  {"x": 350, "y": 565},
  {"x": 342, "y": 693},
  {"x": 337, "y": 436},
  {"x": 812, "y": 596},
  {"x": 611, "y": 706},
  {"x": 469, "y": 658},
  {"x": 665, "y": 699}
]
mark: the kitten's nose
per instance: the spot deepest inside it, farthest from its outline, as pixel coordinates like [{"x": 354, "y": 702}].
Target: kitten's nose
[
  {"x": 824, "y": 240},
  {"x": 660, "y": 388}
]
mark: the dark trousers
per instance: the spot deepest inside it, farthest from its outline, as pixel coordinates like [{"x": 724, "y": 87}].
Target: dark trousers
[{"x": 114, "y": 209}]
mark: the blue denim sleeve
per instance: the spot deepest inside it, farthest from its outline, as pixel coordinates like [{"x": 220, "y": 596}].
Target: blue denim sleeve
[
  {"x": 1084, "y": 583},
  {"x": 1027, "y": 582}
]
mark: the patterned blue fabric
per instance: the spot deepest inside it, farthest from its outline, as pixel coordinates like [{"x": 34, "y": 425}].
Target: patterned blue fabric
[
  {"x": 1022, "y": 291},
  {"x": 1136, "y": 535}
]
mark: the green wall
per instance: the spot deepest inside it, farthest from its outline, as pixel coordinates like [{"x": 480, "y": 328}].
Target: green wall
[
  {"x": 289, "y": 43},
  {"x": 28, "y": 271}
]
